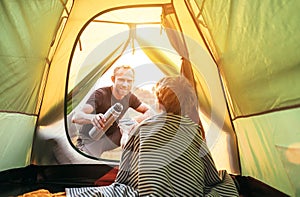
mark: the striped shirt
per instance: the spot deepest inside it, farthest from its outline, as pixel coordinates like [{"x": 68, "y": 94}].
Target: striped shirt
[{"x": 165, "y": 156}]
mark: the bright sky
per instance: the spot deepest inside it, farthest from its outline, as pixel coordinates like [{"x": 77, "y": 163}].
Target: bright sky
[{"x": 146, "y": 72}]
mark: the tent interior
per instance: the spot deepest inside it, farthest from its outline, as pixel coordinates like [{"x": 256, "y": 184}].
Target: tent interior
[{"x": 242, "y": 58}]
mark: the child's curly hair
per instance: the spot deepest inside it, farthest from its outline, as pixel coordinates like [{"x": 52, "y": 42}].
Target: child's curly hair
[{"x": 176, "y": 95}]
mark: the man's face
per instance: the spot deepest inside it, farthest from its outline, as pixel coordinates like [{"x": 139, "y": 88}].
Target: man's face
[{"x": 123, "y": 82}]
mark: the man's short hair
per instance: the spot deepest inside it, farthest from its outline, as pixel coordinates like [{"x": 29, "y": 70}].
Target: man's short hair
[{"x": 126, "y": 67}]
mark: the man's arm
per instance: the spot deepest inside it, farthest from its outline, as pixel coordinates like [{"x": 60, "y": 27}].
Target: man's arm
[
  {"x": 146, "y": 112},
  {"x": 84, "y": 115}
]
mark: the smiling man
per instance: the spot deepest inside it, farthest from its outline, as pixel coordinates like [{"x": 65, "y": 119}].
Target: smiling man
[{"x": 91, "y": 114}]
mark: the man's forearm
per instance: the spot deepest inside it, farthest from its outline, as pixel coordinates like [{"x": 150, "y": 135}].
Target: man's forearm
[
  {"x": 143, "y": 116},
  {"x": 83, "y": 118}
]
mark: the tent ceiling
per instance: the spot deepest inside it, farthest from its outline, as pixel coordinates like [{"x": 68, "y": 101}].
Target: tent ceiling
[{"x": 129, "y": 15}]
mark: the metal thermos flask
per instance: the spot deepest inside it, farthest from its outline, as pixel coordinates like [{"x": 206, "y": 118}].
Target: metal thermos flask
[{"x": 110, "y": 115}]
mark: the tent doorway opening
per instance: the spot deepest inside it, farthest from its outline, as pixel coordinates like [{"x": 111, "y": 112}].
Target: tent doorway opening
[{"x": 146, "y": 47}]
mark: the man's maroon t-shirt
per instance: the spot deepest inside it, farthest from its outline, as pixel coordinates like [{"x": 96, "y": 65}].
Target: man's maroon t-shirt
[{"x": 102, "y": 99}]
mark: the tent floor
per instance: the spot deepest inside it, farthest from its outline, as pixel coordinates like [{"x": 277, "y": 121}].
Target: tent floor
[{"x": 56, "y": 178}]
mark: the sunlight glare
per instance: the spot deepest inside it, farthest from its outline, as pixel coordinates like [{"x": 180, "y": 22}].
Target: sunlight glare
[{"x": 141, "y": 63}]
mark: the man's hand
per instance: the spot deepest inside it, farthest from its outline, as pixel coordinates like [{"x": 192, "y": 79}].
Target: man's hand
[{"x": 98, "y": 121}]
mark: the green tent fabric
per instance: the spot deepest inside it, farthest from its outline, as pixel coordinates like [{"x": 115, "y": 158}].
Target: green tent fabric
[
  {"x": 26, "y": 35},
  {"x": 244, "y": 58}
]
